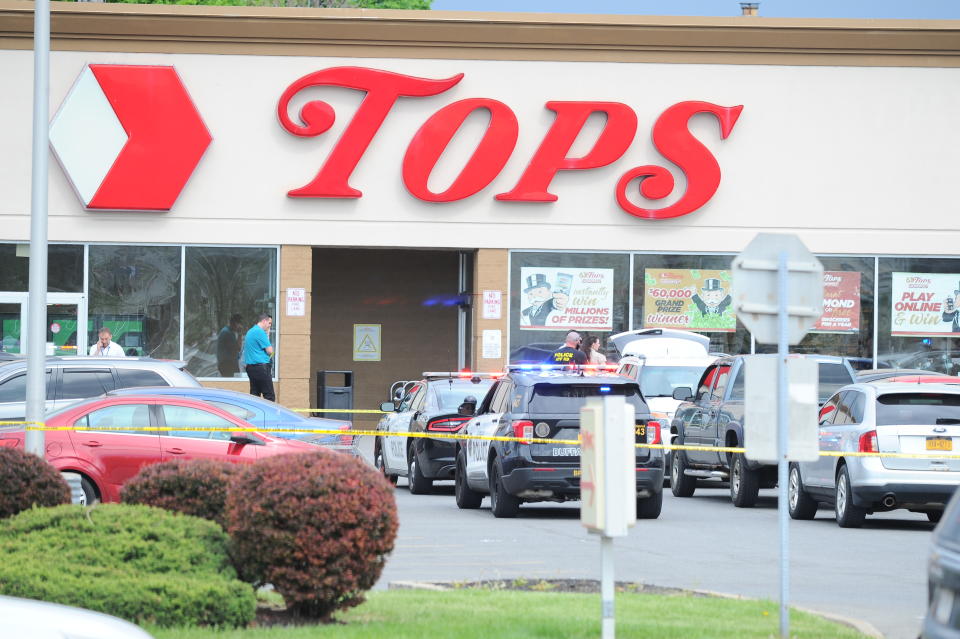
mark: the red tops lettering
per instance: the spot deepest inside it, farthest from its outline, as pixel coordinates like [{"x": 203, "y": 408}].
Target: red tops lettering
[{"x": 671, "y": 137}]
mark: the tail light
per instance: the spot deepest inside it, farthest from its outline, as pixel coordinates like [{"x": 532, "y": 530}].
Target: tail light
[
  {"x": 447, "y": 424},
  {"x": 653, "y": 432},
  {"x": 345, "y": 440},
  {"x": 523, "y": 428},
  {"x": 868, "y": 442}
]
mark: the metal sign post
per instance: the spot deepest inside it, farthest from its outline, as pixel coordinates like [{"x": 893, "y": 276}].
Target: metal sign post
[
  {"x": 608, "y": 486},
  {"x": 775, "y": 266},
  {"x": 37, "y": 308},
  {"x": 783, "y": 392}
]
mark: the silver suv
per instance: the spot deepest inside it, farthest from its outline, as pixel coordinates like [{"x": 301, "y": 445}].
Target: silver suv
[
  {"x": 70, "y": 379},
  {"x": 920, "y": 420}
]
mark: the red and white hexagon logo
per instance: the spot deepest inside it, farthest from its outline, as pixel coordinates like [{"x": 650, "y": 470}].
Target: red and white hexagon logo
[{"x": 128, "y": 137}]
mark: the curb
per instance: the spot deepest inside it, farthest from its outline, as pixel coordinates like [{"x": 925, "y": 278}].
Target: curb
[{"x": 861, "y": 626}]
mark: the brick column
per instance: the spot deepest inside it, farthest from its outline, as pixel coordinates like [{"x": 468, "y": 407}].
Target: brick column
[
  {"x": 491, "y": 273},
  {"x": 296, "y": 271}
]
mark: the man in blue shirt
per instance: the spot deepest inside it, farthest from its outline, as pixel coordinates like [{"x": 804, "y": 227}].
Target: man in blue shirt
[{"x": 257, "y": 352}]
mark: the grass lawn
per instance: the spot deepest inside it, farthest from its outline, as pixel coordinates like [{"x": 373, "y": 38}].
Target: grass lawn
[{"x": 489, "y": 614}]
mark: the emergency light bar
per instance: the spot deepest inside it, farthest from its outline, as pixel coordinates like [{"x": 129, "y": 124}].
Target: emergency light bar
[
  {"x": 461, "y": 375},
  {"x": 575, "y": 368}
]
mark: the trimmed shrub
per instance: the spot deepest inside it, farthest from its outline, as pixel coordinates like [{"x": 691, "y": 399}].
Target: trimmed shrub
[
  {"x": 26, "y": 480},
  {"x": 196, "y": 487},
  {"x": 136, "y": 562},
  {"x": 318, "y": 526}
]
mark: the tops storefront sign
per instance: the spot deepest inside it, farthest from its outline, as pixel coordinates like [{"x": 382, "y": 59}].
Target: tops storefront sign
[{"x": 671, "y": 136}]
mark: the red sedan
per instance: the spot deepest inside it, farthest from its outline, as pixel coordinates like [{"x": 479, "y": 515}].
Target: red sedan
[{"x": 106, "y": 456}]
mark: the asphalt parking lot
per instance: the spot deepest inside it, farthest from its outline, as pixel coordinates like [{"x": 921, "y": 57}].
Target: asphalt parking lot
[{"x": 877, "y": 573}]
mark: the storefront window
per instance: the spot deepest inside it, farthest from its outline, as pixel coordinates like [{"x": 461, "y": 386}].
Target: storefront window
[
  {"x": 688, "y": 292},
  {"x": 918, "y": 313},
  {"x": 552, "y": 293},
  {"x": 846, "y": 326},
  {"x": 135, "y": 292},
  {"x": 225, "y": 290},
  {"x": 64, "y": 269}
]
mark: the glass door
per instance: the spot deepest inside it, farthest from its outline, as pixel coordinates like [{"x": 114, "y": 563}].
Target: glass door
[
  {"x": 66, "y": 324},
  {"x": 10, "y": 326}
]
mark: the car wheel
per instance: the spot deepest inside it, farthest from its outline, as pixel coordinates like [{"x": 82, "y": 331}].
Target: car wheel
[
  {"x": 379, "y": 463},
  {"x": 744, "y": 483},
  {"x": 418, "y": 484},
  {"x": 467, "y": 498},
  {"x": 681, "y": 485},
  {"x": 87, "y": 489},
  {"x": 934, "y": 515},
  {"x": 802, "y": 506},
  {"x": 650, "y": 507},
  {"x": 502, "y": 503},
  {"x": 849, "y": 515}
]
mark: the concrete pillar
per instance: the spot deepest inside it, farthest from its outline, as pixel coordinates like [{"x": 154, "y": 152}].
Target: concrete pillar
[
  {"x": 296, "y": 271},
  {"x": 491, "y": 273}
]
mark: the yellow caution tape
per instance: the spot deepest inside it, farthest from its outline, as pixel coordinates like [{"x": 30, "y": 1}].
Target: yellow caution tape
[
  {"x": 2, "y": 423},
  {"x": 457, "y": 436}
]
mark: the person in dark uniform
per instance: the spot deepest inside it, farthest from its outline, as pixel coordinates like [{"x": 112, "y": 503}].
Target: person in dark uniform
[
  {"x": 712, "y": 299},
  {"x": 538, "y": 293},
  {"x": 569, "y": 353}
]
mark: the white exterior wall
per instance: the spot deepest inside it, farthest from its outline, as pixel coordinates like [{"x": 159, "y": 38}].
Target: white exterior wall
[{"x": 854, "y": 159}]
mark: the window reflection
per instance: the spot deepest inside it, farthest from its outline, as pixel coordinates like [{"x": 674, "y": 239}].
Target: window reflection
[
  {"x": 226, "y": 289},
  {"x": 135, "y": 292}
]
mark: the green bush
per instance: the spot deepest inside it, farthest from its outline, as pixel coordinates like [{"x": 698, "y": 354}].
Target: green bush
[
  {"x": 26, "y": 480},
  {"x": 318, "y": 526},
  {"x": 196, "y": 487},
  {"x": 136, "y": 562}
]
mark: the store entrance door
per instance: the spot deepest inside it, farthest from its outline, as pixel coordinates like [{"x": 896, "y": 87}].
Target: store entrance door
[{"x": 66, "y": 323}]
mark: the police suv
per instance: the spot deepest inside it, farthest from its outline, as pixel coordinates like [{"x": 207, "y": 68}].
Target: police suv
[
  {"x": 544, "y": 402},
  {"x": 428, "y": 406}
]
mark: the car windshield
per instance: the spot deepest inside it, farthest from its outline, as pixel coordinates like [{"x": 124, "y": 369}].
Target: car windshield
[
  {"x": 833, "y": 376},
  {"x": 569, "y": 398},
  {"x": 451, "y": 395},
  {"x": 922, "y": 409},
  {"x": 659, "y": 381}
]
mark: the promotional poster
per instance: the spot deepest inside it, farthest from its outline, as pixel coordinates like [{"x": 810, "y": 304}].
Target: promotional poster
[
  {"x": 690, "y": 299},
  {"x": 925, "y": 304},
  {"x": 841, "y": 303},
  {"x": 566, "y": 299}
]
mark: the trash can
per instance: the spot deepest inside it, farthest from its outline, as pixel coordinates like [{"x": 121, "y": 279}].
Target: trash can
[{"x": 335, "y": 390}]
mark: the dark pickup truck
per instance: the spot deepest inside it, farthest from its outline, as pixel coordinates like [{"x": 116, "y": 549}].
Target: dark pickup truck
[{"x": 713, "y": 416}]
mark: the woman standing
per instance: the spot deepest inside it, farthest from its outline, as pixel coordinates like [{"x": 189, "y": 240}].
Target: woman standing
[{"x": 591, "y": 347}]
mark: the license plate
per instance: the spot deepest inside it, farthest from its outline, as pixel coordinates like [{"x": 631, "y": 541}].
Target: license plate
[
  {"x": 939, "y": 443},
  {"x": 576, "y": 472}
]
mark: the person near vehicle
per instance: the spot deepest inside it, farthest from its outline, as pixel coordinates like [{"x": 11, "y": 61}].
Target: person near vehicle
[
  {"x": 105, "y": 346},
  {"x": 569, "y": 354},
  {"x": 228, "y": 346},
  {"x": 591, "y": 348},
  {"x": 257, "y": 352}
]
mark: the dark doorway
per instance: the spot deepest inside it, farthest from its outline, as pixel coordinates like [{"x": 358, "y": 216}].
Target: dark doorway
[{"x": 414, "y": 295}]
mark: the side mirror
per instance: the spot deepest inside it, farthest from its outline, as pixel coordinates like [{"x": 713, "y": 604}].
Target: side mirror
[
  {"x": 469, "y": 406},
  {"x": 683, "y": 393},
  {"x": 245, "y": 438},
  {"x": 388, "y": 407}
]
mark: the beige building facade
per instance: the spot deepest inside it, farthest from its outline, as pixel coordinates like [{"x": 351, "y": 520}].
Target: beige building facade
[{"x": 392, "y": 186}]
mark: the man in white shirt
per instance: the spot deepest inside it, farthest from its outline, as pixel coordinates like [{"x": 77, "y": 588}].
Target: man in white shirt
[{"x": 105, "y": 347}]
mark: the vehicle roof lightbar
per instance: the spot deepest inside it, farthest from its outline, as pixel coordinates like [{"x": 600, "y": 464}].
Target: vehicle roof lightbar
[{"x": 460, "y": 375}]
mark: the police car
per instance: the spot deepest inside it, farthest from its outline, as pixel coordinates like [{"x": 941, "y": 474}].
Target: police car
[
  {"x": 544, "y": 402},
  {"x": 429, "y": 405}
]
